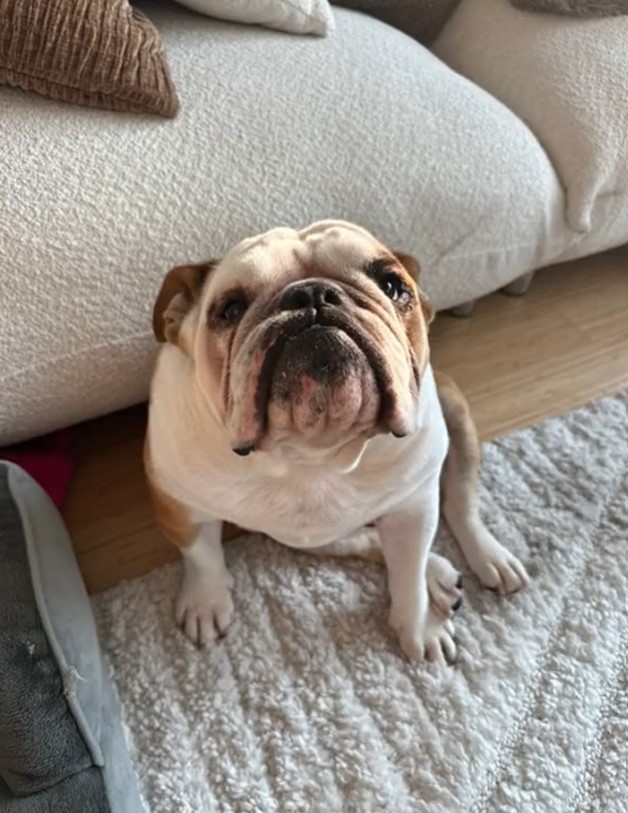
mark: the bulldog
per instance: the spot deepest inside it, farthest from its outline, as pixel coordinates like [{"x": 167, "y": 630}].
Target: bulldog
[{"x": 294, "y": 396}]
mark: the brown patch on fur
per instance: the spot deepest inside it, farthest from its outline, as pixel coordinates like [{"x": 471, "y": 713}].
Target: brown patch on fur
[
  {"x": 171, "y": 516},
  {"x": 415, "y": 321},
  {"x": 410, "y": 263},
  {"x": 180, "y": 290},
  {"x": 416, "y": 330},
  {"x": 413, "y": 267},
  {"x": 463, "y": 435}
]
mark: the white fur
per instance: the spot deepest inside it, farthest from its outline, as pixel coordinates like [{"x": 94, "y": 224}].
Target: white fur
[
  {"x": 304, "y": 503},
  {"x": 204, "y": 605}
]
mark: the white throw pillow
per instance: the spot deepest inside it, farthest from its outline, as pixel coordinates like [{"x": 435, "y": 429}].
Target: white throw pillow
[{"x": 294, "y": 16}]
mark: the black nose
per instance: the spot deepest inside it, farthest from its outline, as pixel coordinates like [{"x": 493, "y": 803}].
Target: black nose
[{"x": 309, "y": 294}]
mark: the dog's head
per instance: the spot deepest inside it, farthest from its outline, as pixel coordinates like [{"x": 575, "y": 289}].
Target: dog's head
[{"x": 316, "y": 337}]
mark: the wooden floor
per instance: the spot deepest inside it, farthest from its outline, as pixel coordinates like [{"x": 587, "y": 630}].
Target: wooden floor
[{"x": 518, "y": 361}]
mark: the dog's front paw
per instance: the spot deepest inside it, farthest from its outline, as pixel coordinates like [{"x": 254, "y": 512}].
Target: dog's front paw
[
  {"x": 204, "y": 607},
  {"x": 444, "y": 584},
  {"x": 432, "y": 641},
  {"x": 497, "y": 568}
]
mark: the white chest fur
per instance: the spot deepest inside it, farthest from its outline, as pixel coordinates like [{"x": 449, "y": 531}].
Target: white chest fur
[{"x": 299, "y": 503}]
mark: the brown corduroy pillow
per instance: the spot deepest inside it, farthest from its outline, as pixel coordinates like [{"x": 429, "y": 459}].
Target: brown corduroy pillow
[{"x": 100, "y": 53}]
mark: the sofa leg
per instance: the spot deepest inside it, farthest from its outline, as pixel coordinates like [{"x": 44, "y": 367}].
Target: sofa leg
[
  {"x": 519, "y": 286},
  {"x": 466, "y": 309}
]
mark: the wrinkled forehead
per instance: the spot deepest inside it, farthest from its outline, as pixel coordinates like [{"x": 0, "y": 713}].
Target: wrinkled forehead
[{"x": 281, "y": 255}]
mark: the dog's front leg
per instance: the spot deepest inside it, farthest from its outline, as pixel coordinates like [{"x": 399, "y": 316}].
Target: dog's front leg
[
  {"x": 407, "y": 535},
  {"x": 204, "y": 607}
]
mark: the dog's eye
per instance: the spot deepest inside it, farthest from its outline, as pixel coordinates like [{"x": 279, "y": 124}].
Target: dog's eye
[
  {"x": 392, "y": 286},
  {"x": 233, "y": 308},
  {"x": 381, "y": 270}
]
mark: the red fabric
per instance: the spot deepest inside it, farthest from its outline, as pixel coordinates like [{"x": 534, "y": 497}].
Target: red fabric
[{"x": 48, "y": 461}]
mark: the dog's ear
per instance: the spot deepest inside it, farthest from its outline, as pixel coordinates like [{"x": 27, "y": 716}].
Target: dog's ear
[
  {"x": 412, "y": 266},
  {"x": 180, "y": 290}
]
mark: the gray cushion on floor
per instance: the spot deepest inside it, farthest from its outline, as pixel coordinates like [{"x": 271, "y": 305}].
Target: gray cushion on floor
[
  {"x": 61, "y": 742},
  {"x": 81, "y": 793}
]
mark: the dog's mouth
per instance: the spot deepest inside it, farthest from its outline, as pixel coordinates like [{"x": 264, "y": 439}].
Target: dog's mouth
[
  {"x": 323, "y": 377},
  {"x": 326, "y": 351}
]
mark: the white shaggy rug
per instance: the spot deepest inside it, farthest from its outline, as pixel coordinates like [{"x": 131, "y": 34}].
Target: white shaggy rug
[{"x": 307, "y": 706}]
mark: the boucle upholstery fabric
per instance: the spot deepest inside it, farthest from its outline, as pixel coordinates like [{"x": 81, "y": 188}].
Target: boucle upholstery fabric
[
  {"x": 364, "y": 125},
  {"x": 566, "y": 78},
  {"x": 100, "y": 53},
  {"x": 307, "y": 704}
]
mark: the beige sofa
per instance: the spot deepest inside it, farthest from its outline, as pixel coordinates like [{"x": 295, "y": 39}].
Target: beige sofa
[{"x": 484, "y": 178}]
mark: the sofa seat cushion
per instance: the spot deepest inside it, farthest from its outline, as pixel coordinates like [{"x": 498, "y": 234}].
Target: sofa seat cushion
[
  {"x": 365, "y": 125},
  {"x": 567, "y": 79}
]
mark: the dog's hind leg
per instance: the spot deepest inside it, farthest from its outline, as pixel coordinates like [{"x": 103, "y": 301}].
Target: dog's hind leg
[{"x": 496, "y": 567}]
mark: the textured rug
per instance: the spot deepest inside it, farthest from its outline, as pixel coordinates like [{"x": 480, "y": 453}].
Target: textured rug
[{"x": 307, "y": 706}]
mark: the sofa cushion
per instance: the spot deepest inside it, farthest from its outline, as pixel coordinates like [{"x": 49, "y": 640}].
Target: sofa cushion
[
  {"x": 365, "y": 125},
  {"x": 566, "y": 78},
  {"x": 99, "y": 53},
  {"x": 61, "y": 744}
]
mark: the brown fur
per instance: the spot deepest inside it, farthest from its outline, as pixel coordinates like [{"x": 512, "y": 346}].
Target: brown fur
[
  {"x": 171, "y": 517},
  {"x": 181, "y": 288},
  {"x": 463, "y": 436},
  {"x": 413, "y": 267}
]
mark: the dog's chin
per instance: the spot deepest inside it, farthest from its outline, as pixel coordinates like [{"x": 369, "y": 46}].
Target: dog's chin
[
  {"x": 320, "y": 383},
  {"x": 323, "y": 390}
]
